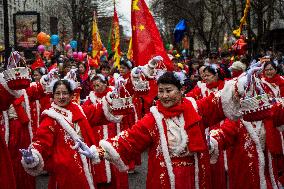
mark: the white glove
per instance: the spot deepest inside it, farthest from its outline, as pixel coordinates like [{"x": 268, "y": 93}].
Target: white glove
[
  {"x": 89, "y": 152},
  {"x": 136, "y": 72}
]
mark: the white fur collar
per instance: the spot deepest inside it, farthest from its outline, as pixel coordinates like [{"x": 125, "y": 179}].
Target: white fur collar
[{"x": 67, "y": 114}]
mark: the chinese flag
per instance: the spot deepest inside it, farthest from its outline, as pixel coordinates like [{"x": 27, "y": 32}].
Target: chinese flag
[{"x": 146, "y": 39}]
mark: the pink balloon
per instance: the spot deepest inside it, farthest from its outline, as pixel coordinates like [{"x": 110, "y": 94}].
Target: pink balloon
[
  {"x": 41, "y": 48},
  {"x": 80, "y": 56},
  {"x": 75, "y": 55},
  {"x": 67, "y": 47},
  {"x": 84, "y": 55}
]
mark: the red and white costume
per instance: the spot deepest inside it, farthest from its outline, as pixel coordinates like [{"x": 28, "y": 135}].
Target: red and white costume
[
  {"x": 7, "y": 96},
  {"x": 274, "y": 87},
  {"x": 218, "y": 170},
  {"x": 53, "y": 150},
  {"x": 254, "y": 147},
  {"x": 107, "y": 176},
  {"x": 174, "y": 138},
  {"x": 22, "y": 127}
]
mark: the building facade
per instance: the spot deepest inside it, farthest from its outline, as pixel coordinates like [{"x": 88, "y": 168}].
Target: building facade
[{"x": 15, "y": 6}]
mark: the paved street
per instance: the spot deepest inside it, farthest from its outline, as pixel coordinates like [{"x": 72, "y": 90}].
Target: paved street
[{"x": 137, "y": 180}]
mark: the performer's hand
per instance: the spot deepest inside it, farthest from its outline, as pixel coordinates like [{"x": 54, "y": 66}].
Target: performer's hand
[
  {"x": 27, "y": 155},
  {"x": 254, "y": 68},
  {"x": 85, "y": 150},
  {"x": 136, "y": 72}
]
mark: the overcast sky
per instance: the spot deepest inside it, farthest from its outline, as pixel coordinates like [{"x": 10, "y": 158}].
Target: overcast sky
[{"x": 124, "y": 10}]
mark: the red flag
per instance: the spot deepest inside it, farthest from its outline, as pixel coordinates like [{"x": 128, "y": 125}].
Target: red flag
[
  {"x": 37, "y": 64},
  {"x": 146, "y": 39}
]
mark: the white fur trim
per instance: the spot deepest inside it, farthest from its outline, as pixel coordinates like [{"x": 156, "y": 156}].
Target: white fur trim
[
  {"x": 158, "y": 118},
  {"x": 107, "y": 164},
  {"x": 7, "y": 127},
  {"x": 215, "y": 153},
  {"x": 261, "y": 157},
  {"x": 67, "y": 127},
  {"x": 35, "y": 168},
  {"x": 193, "y": 102},
  {"x": 176, "y": 127},
  {"x": 135, "y": 113},
  {"x": 282, "y": 142},
  {"x": 93, "y": 98},
  {"x": 117, "y": 128},
  {"x": 68, "y": 112},
  {"x": 28, "y": 110},
  {"x": 15, "y": 93},
  {"x": 87, "y": 171},
  {"x": 37, "y": 112},
  {"x": 203, "y": 89},
  {"x": 109, "y": 116},
  {"x": 196, "y": 171},
  {"x": 271, "y": 174},
  {"x": 113, "y": 156},
  {"x": 230, "y": 103},
  {"x": 225, "y": 160}
]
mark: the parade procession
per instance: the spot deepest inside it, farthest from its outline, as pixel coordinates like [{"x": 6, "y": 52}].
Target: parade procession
[{"x": 188, "y": 97}]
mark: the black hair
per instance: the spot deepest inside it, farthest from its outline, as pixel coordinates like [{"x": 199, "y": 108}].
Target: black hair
[
  {"x": 104, "y": 65},
  {"x": 169, "y": 78},
  {"x": 272, "y": 64},
  {"x": 101, "y": 78},
  {"x": 40, "y": 70},
  {"x": 110, "y": 56},
  {"x": 124, "y": 61},
  {"x": 214, "y": 71},
  {"x": 85, "y": 66},
  {"x": 62, "y": 82}
]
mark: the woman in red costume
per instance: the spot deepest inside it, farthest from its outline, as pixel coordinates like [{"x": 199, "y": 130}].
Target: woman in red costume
[
  {"x": 7, "y": 96},
  {"x": 107, "y": 176},
  {"x": 173, "y": 133},
  {"x": 52, "y": 147},
  {"x": 274, "y": 87},
  {"x": 21, "y": 131},
  {"x": 213, "y": 82}
]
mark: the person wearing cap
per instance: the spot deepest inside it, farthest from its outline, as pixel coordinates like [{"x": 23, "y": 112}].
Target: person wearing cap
[{"x": 237, "y": 68}]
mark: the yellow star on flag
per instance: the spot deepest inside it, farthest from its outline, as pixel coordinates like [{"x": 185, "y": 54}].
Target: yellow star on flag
[
  {"x": 141, "y": 27},
  {"x": 135, "y": 5}
]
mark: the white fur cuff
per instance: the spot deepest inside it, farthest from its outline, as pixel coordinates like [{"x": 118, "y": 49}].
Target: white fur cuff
[
  {"x": 35, "y": 168},
  {"x": 95, "y": 155},
  {"x": 214, "y": 152},
  {"x": 112, "y": 155}
]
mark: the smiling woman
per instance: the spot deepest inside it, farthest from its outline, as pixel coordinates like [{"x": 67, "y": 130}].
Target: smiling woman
[
  {"x": 52, "y": 147},
  {"x": 169, "y": 90},
  {"x": 173, "y": 133}
]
